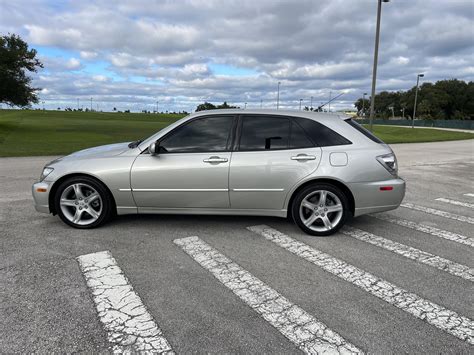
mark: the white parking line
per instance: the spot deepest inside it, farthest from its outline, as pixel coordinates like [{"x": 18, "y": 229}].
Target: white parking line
[
  {"x": 421, "y": 256},
  {"x": 470, "y": 195},
  {"x": 454, "y": 202},
  {"x": 302, "y": 329},
  {"x": 454, "y": 237},
  {"x": 129, "y": 326},
  {"x": 438, "y": 316},
  {"x": 438, "y": 212}
]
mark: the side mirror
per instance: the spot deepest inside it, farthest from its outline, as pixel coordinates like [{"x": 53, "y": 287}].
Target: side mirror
[{"x": 154, "y": 148}]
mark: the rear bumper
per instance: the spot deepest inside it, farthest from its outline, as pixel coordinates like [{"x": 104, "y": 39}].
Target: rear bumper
[
  {"x": 40, "y": 191},
  {"x": 370, "y": 198}
]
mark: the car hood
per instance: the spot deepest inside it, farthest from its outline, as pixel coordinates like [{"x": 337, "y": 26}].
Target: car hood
[{"x": 108, "y": 150}]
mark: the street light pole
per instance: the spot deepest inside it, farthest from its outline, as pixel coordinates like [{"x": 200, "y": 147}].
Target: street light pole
[
  {"x": 363, "y": 104},
  {"x": 278, "y": 96},
  {"x": 91, "y": 104},
  {"x": 261, "y": 103},
  {"x": 416, "y": 97},
  {"x": 311, "y": 107},
  {"x": 376, "y": 55},
  {"x": 300, "y": 103}
]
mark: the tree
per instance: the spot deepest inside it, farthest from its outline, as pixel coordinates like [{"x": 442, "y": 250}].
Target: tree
[
  {"x": 445, "y": 99},
  {"x": 16, "y": 59},
  {"x": 208, "y": 106}
]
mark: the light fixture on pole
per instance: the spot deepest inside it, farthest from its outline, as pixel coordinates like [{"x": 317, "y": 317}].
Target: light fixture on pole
[
  {"x": 301, "y": 100},
  {"x": 416, "y": 97},
  {"x": 278, "y": 96},
  {"x": 376, "y": 55}
]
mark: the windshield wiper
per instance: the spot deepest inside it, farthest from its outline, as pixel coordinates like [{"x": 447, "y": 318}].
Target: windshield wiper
[{"x": 135, "y": 144}]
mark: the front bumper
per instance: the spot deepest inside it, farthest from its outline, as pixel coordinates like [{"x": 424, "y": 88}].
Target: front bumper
[
  {"x": 369, "y": 198},
  {"x": 40, "y": 192}
]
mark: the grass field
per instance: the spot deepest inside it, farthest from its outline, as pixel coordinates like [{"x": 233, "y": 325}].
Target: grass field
[{"x": 27, "y": 133}]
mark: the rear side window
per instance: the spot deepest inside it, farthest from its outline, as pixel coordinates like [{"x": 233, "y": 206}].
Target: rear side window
[
  {"x": 264, "y": 133},
  {"x": 364, "y": 131},
  {"x": 298, "y": 137},
  {"x": 320, "y": 134}
]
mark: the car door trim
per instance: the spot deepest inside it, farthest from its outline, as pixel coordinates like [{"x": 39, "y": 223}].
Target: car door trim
[
  {"x": 176, "y": 190},
  {"x": 258, "y": 190}
]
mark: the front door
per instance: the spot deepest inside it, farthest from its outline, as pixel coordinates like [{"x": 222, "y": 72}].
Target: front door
[
  {"x": 274, "y": 153},
  {"x": 191, "y": 169}
]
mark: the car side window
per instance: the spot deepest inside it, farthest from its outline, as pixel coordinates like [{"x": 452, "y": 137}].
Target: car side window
[
  {"x": 207, "y": 134},
  {"x": 320, "y": 134},
  {"x": 264, "y": 133},
  {"x": 299, "y": 138}
]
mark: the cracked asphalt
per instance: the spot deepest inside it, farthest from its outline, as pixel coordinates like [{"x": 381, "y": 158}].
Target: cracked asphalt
[{"x": 48, "y": 300}]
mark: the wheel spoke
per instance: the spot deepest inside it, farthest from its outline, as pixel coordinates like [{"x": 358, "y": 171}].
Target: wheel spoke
[
  {"x": 308, "y": 222},
  {"x": 66, "y": 202},
  {"x": 92, "y": 197},
  {"x": 77, "y": 216},
  {"x": 322, "y": 198},
  {"x": 309, "y": 205},
  {"x": 335, "y": 208},
  {"x": 78, "y": 191},
  {"x": 93, "y": 213},
  {"x": 327, "y": 222}
]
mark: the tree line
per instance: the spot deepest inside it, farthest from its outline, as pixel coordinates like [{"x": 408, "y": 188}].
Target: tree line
[{"x": 446, "y": 99}]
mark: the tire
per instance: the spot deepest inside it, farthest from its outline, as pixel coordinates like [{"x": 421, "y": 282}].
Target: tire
[
  {"x": 84, "y": 203},
  {"x": 320, "y": 209}
]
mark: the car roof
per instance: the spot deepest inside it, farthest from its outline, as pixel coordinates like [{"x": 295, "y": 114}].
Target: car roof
[{"x": 273, "y": 112}]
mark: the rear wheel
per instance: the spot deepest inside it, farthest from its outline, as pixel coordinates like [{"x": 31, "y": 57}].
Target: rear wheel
[
  {"x": 83, "y": 202},
  {"x": 320, "y": 209}
]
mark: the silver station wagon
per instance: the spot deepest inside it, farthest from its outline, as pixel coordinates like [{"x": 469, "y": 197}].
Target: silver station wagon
[{"x": 319, "y": 169}]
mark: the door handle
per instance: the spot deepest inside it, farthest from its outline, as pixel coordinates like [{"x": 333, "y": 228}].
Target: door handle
[
  {"x": 215, "y": 160},
  {"x": 303, "y": 157}
]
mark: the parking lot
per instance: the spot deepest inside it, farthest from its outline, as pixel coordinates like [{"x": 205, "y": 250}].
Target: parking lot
[{"x": 396, "y": 282}]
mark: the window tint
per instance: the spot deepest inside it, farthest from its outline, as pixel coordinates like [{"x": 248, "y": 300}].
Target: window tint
[
  {"x": 264, "y": 133},
  {"x": 298, "y": 137},
  {"x": 208, "y": 134},
  {"x": 320, "y": 134},
  {"x": 364, "y": 131}
]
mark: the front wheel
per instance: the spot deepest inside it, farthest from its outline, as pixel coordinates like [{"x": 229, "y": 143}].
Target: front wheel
[
  {"x": 82, "y": 202},
  {"x": 320, "y": 209}
]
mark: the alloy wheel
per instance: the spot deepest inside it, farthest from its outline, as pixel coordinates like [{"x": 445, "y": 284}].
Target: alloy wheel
[
  {"x": 321, "y": 210},
  {"x": 81, "y": 204}
]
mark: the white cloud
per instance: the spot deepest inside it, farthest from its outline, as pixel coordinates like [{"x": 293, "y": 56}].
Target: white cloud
[{"x": 167, "y": 49}]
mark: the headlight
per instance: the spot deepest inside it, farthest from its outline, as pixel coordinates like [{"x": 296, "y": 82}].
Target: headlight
[
  {"x": 389, "y": 162},
  {"x": 46, "y": 172}
]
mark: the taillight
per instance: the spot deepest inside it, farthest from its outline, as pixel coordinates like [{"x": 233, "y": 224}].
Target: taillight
[{"x": 389, "y": 162}]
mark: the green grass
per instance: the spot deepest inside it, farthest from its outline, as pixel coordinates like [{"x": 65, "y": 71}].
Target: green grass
[
  {"x": 392, "y": 135},
  {"x": 27, "y": 133}
]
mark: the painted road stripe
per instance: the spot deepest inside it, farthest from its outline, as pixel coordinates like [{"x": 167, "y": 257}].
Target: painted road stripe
[
  {"x": 454, "y": 202},
  {"x": 470, "y": 195},
  {"x": 454, "y": 237},
  {"x": 421, "y": 256},
  {"x": 129, "y": 326},
  {"x": 302, "y": 329},
  {"x": 438, "y": 213},
  {"x": 438, "y": 316}
]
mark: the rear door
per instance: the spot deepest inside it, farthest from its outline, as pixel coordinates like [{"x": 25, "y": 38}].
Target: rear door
[
  {"x": 272, "y": 154},
  {"x": 191, "y": 170}
]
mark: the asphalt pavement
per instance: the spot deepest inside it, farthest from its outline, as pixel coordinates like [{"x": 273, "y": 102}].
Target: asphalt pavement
[{"x": 400, "y": 283}]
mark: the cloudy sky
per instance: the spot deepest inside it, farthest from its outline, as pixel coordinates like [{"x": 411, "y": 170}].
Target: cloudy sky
[{"x": 132, "y": 54}]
